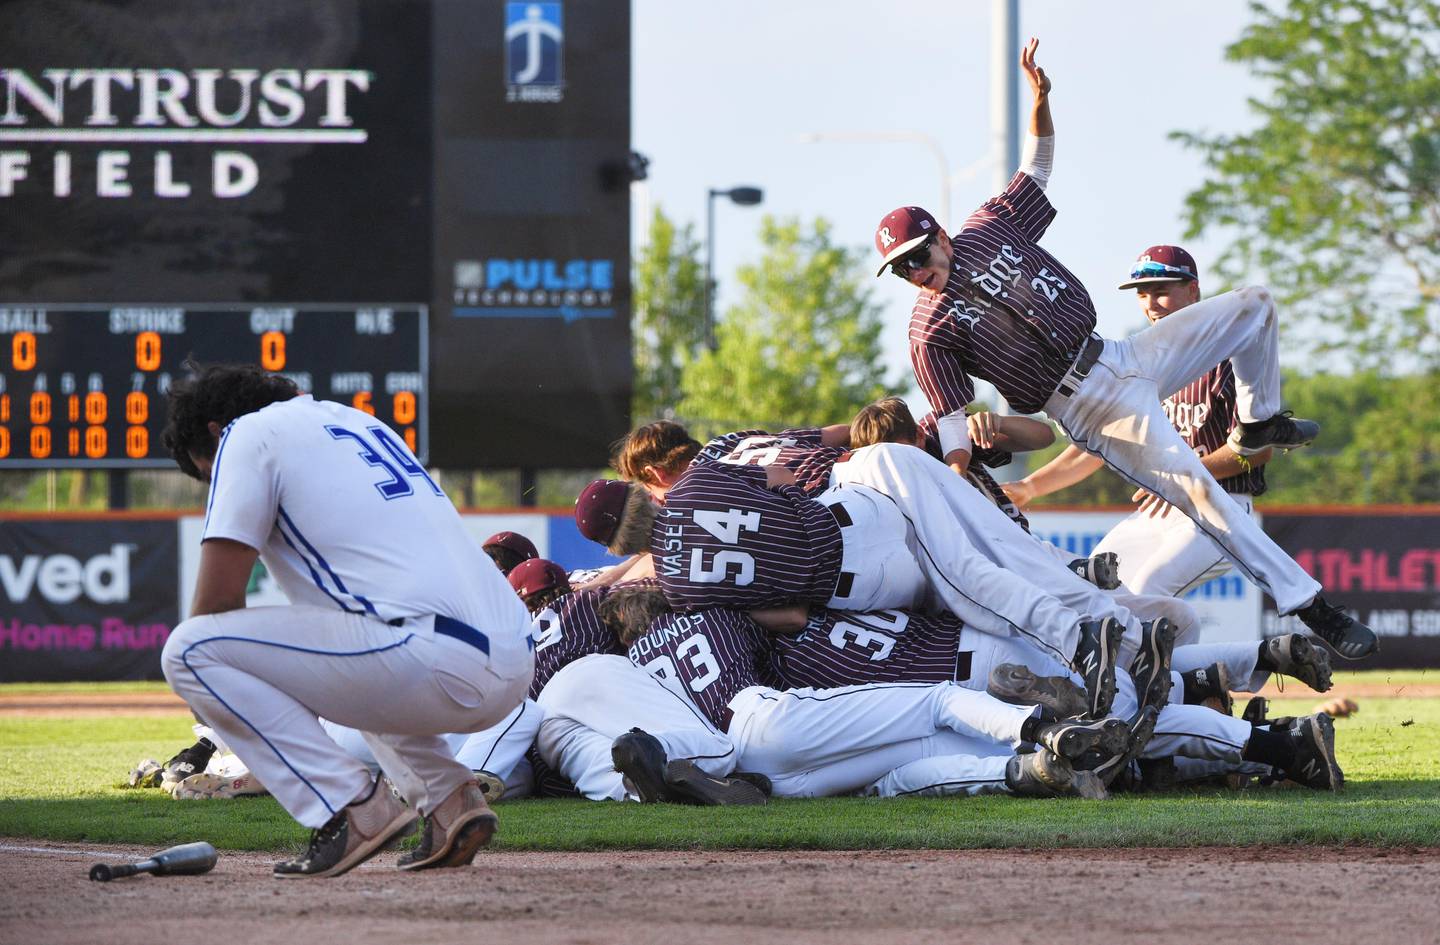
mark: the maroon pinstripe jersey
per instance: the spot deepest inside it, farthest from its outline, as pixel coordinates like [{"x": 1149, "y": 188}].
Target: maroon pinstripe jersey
[
  {"x": 713, "y": 654},
  {"x": 725, "y": 540},
  {"x": 976, "y": 473},
  {"x": 568, "y": 629},
  {"x": 801, "y": 451},
  {"x": 840, "y": 648},
  {"x": 1204, "y": 412},
  {"x": 1010, "y": 312}
]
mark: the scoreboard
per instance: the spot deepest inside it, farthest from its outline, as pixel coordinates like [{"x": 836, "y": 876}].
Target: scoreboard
[
  {"x": 85, "y": 385},
  {"x": 421, "y": 207}
]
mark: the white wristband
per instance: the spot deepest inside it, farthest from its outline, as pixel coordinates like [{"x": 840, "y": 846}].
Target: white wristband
[
  {"x": 1037, "y": 156},
  {"x": 954, "y": 433}
]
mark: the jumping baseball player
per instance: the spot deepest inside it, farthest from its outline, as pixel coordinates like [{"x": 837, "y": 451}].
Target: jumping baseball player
[
  {"x": 397, "y": 625},
  {"x": 817, "y": 742},
  {"x": 1162, "y": 552},
  {"x": 993, "y": 304}
]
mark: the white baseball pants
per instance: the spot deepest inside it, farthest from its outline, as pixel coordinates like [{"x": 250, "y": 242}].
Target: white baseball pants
[
  {"x": 1170, "y": 556},
  {"x": 593, "y": 701},
  {"x": 818, "y": 742},
  {"x": 1239, "y": 658},
  {"x": 951, "y": 764},
  {"x": 962, "y": 575},
  {"x": 262, "y": 676},
  {"x": 499, "y": 749},
  {"x": 1115, "y": 413}
]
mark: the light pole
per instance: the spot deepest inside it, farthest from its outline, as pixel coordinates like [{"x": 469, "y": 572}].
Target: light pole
[{"x": 740, "y": 196}]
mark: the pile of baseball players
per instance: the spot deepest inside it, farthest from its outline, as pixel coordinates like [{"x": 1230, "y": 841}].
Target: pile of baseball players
[{"x": 855, "y": 609}]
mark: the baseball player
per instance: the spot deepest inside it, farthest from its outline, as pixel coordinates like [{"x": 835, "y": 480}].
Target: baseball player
[
  {"x": 818, "y": 742},
  {"x": 396, "y": 625},
  {"x": 826, "y": 648},
  {"x": 509, "y": 549},
  {"x": 657, "y": 454},
  {"x": 743, "y": 537},
  {"x": 993, "y": 304},
  {"x": 592, "y": 697}
]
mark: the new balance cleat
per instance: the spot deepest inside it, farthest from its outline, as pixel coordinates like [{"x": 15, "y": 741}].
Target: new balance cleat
[
  {"x": 1294, "y": 655},
  {"x": 1017, "y": 684},
  {"x": 1042, "y": 774},
  {"x": 1102, "y": 570},
  {"x": 1315, "y": 766},
  {"x": 1073, "y": 739},
  {"x": 1151, "y": 666},
  {"x": 1095, "y": 662},
  {"x": 1209, "y": 686},
  {"x": 640, "y": 758},
  {"x": 687, "y": 783}
]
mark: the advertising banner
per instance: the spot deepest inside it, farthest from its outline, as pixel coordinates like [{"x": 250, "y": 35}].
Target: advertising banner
[
  {"x": 1384, "y": 567},
  {"x": 85, "y": 600},
  {"x": 1229, "y": 606}
]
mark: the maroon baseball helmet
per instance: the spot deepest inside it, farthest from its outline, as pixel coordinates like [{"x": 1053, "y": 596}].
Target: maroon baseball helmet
[
  {"x": 901, "y": 231},
  {"x": 599, "y": 508},
  {"x": 514, "y": 541},
  {"x": 535, "y": 575},
  {"x": 1162, "y": 264}
]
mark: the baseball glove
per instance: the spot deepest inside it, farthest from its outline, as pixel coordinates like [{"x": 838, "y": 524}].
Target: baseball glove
[{"x": 1338, "y": 708}]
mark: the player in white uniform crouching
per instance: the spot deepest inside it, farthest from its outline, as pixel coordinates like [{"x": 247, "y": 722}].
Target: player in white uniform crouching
[{"x": 397, "y": 626}]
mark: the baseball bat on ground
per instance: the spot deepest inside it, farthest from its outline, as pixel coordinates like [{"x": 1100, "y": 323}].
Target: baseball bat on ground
[{"x": 188, "y": 859}]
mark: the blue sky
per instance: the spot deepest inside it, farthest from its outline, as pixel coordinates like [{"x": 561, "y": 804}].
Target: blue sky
[{"x": 722, "y": 93}]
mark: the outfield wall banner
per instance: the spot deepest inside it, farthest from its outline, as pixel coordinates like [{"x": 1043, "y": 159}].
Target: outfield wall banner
[
  {"x": 1385, "y": 568},
  {"x": 1229, "y": 606},
  {"x": 85, "y": 600}
]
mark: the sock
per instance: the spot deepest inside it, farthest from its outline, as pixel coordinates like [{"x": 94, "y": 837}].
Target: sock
[{"x": 1266, "y": 747}]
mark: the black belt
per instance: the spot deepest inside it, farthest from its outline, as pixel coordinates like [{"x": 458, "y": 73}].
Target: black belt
[
  {"x": 963, "y": 659},
  {"x": 846, "y": 581},
  {"x": 1080, "y": 369}
]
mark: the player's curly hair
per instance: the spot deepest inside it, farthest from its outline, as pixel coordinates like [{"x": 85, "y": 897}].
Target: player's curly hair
[
  {"x": 629, "y": 610},
  {"x": 632, "y": 535},
  {"x": 663, "y": 444},
  {"x": 539, "y": 600},
  {"x": 216, "y": 393},
  {"x": 887, "y": 420}
]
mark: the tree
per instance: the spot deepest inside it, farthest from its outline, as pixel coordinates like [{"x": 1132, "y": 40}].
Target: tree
[
  {"x": 1335, "y": 197},
  {"x": 669, "y": 322},
  {"x": 801, "y": 348}
]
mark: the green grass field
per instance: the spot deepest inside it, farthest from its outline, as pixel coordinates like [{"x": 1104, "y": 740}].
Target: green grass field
[{"x": 61, "y": 779}]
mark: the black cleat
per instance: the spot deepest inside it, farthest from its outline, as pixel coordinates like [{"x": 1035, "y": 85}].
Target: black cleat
[
  {"x": 1314, "y": 764},
  {"x": 1282, "y": 431},
  {"x": 1073, "y": 739},
  {"x": 1108, "y": 767},
  {"x": 1209, "y": 686},
  {"x": 759, "y": 780},
  {"x": 639, "y": 756},
  {"x": 1294, "y": 655},
  {"x": 689, "y": 784},
  {"x": 1017, "y": 684},
  {"x": 1346, "y": 635},
  {"x": 1102, "y": 570},
  {"x": 1095, "y": 662},
  {"x": 1042, "y": 774},
  {"x": 192, "y": 760},
  {"x": 1151, "y": 667}
]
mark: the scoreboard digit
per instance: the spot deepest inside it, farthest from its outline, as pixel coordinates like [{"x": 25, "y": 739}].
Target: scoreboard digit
[{"x": 85, "y": 385}]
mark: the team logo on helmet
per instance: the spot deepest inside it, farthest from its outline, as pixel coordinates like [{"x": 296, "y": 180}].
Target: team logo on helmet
[{"x": 885, "y": 237}]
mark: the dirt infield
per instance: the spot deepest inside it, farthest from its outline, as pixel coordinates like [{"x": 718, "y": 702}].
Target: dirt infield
[
  {"x": 1072, "y": 896},
  {"x": 92, "y": 703},
  {"x": 163, "y": 703}
]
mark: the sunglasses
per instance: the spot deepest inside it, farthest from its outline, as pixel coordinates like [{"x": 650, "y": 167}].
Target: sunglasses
[
  {"x": 917, "y": 258},
  {"x": 1151, "y": 269}
]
